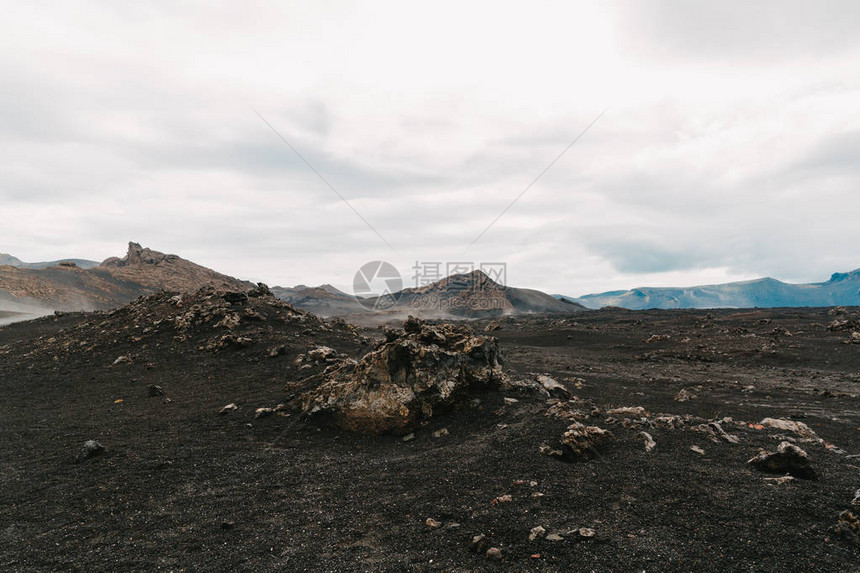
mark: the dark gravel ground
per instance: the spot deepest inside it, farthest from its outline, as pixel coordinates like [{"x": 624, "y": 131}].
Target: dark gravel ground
[{"x": 181, "y": 488}]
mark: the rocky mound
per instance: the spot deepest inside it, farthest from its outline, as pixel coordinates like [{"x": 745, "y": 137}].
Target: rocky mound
[
  {"x": 411, "y": 375},
  {"x": 153, "y": 328}
]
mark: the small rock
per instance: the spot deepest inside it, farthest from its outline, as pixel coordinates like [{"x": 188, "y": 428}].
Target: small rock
[
  {"x": 228, "y": 408},
  {"x": 628, "y": 412},
  {"x": 554, "y": 537},
  {"x": 91, "y": 448},
  {"x": 848, "y": 527},
  {"x": 552, "y": 386},
  {"x": 322, "y": 353},
  {"x": 510, "y": 400},
  {"x": 121, "y": 360},
  {"x": 492, "y": 326},
  {"x": 780, "y": 480},
  {"x": 494, "y": 554},
  {"x": 154, "y": 391},
  {"x": 698, "y": 450},
  {"x": 233, "y": 297},
  {"x": 479, "y": 543},
  {"x": 507, "y": 498},
  {"x": 586, "y": 533},
  {"x": 580, "y": 439},
  {"x": 263, "y": 412},
  {"x": 440, "y": 433},
  {"x": 433, "y": 523},
  {"x": 788, "y": 459},
  {"x": 452, "y": 525},
  {"x": 409, "y": 437},
  {"x": 855, "y": 504},
  {"x": 793, "y": 426},
  {"x": 536, "y": 532},
  {"x": 645, "y": 437},
  {"x": 683, "y": 395}
]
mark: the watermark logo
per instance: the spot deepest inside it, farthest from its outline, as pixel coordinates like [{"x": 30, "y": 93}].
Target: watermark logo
[{"x": 377, "y": 285}]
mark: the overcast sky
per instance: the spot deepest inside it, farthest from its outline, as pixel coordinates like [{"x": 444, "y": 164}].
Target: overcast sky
[{"x": 730, "y": 149}]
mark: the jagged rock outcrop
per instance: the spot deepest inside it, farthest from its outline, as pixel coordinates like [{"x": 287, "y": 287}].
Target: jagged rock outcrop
[
  {"x": 409, "y": 377},
  {"x": 115, "y": 282}
]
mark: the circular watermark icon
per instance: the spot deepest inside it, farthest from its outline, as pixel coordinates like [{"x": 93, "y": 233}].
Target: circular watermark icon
[{"x": 377, "y": 285}]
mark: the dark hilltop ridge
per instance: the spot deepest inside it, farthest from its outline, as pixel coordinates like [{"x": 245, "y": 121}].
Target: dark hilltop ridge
[
  {"x": 225, "y": 429},
  {"x": 843, "y": 289},
  {"x": 112, "y": 283}
]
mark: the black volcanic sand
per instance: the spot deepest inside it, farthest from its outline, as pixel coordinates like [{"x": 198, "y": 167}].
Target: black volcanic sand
[{"x": 182, "y": 488}]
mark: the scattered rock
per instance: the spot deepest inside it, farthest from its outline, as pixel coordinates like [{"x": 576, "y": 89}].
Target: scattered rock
[
  {"x": 848, "y": 527},
  {"x": 684, "y": 395},
  {"x": 228, "y": 408},
  {"x": 628, "y": 412},
  {"x": 322, "y": 354},
  {"x": 263, "y": 412},
  {"x": 798, "y": 428},
  {"x": 91, "y": 448},
  {"x": 409, "y": 437},
  {"x": 494, "y": 325},
  {"x": 580, "y": 439},
  {"x": 433, "y": 523},
  {"x": 657, "y": 338},
  {"x": 154, "y": 391},
  {"x": 555, "y": 389},
  {"x": 536, "y": 532},
  {"x": 260, "y": 290},
  {"x": 479, "y": 543},
  {"x": 698, "y": 450},
  {"x": 506, "y": 498},
  {"x": 122, "y": 360},
  {"x": 780, "y": 480},
  {"x": 510, "y": 401},
  {"x": 554, "y": 537},
  {"x": 235, "y": 297},
  {"x": 649, "y": 442},
  {"x": 550, "y": 451},
  {"x": 440, "y": 433},
  {"x": 586, "y": 533},
  {"x": 855, "y": 503},
  {"x": 494, "y": 554},
  {"x": 788, "y": 459}
]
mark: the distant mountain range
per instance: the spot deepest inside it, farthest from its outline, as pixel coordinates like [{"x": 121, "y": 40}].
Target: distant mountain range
[
  {"x": 843, "y": 289},
  {"x": 116, "y": 281},
  {"x": 9, "y": 260}
]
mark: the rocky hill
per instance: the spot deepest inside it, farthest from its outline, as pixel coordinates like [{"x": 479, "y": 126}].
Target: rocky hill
[
  {"x": 842, "y": 289},
  {"x": 113, "y": 283},
  {"x": 470, "y": 295}
]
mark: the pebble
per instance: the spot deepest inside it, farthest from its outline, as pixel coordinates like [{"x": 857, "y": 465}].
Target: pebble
[
  {"x": 440, "y": 433},
  {"x": 409, "y": 437},
  {"x": 494, "y": 554},
  {"x": 228, "y": 408},
  {"x": 554, "y": 537},
  {"x": 90, "y": 449},
  {"x": 536, "y": 532},
  {"x": 479, "y": 543},
  {"x": 698, "y": 450},
  {"x": 433, "y": 523},
  {"x": 263, "y": 412}
]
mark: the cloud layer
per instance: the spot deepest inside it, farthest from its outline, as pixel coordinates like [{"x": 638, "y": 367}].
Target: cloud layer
[{"x": 728, "y": 151}]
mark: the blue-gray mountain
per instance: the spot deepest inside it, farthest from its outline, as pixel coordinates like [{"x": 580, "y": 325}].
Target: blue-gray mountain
[{"x": 843, "y": 289}]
